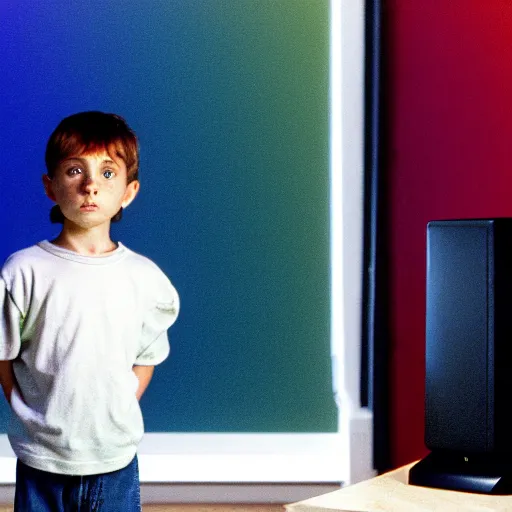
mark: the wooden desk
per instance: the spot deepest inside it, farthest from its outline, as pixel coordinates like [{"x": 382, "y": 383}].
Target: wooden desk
[{"x": 391, "y": 492}]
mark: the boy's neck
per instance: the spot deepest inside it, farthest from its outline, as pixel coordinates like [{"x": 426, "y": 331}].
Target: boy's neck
[{"x": 88, "y": 242}]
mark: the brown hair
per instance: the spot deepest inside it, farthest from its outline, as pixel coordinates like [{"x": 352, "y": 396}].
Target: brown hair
[{"x": 90, "y": 132}]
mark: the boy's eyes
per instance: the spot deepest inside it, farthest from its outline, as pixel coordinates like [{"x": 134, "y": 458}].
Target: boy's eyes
[{"x": 107, "y": 173}]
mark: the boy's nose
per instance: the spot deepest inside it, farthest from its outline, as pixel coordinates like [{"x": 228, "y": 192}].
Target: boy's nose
[{"x": 90, "y": 185}]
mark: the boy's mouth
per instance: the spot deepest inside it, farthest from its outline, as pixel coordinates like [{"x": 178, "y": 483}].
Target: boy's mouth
[{"x": 89, "y": 207}]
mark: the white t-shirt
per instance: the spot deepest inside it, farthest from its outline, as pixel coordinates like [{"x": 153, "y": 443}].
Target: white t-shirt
[{"x": 74, "y": 326}]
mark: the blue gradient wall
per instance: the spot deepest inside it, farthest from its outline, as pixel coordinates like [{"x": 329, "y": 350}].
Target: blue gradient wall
[{"x": 230, "y": 101}]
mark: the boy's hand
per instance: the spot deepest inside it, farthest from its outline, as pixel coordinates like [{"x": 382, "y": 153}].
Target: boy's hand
[
  {"x": 7, "y": 379},
  {"x": 143, "y": 374}
]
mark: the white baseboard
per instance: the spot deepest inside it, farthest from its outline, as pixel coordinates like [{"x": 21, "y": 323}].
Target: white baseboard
[
  {"x": 238, "y": 468},
  {"x": 241, "y": 458},
  {"x": 228, "y": 458}
]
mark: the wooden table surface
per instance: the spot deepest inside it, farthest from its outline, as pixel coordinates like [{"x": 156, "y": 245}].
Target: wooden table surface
[{"x": 391, "y": 493}]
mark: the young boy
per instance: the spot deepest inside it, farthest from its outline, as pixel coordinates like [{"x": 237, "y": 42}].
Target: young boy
[{"x": 84, "y": 322}]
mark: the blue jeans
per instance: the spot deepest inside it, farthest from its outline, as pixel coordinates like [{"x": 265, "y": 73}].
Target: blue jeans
[{"x": 40, "y": 491}]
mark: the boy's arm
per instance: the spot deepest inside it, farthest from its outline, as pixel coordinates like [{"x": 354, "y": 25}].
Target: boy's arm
[
  {"x": 143, "y": 374},
  {"x": 7, "y": 379}
]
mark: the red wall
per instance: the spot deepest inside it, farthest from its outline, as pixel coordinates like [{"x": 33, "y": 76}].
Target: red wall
[{"x": 448, "y": 142}]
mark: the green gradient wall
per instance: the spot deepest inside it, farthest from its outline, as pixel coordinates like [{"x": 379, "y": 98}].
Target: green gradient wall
[{"x": 230, "y": 101}]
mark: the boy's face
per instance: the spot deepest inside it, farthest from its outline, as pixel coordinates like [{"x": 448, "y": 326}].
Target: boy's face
[{"x": 91, "y": 188}]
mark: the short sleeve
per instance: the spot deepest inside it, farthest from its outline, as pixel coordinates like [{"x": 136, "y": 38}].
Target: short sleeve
[
  {"x": 154, "y": 346},
  {"x": 10, "y": 325}
]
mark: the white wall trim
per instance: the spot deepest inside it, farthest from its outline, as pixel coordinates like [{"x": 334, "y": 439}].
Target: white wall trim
[
  {"x": 236, "y": 458},
  {"x": 227, "y": 458},
  {"x": 347, "y": 44},
  {"x": 229, "y": 468}
]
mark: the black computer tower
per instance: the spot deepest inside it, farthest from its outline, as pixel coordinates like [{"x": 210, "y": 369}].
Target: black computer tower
[{"x": 468, "y": 385}]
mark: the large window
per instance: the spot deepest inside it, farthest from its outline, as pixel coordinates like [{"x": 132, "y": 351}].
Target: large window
[{"x": 250, "y": 120}]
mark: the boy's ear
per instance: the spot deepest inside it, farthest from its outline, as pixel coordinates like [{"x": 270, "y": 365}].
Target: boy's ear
[
  {"x": 131, "y": 191},
  {"x": 48, "y": 187}
]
